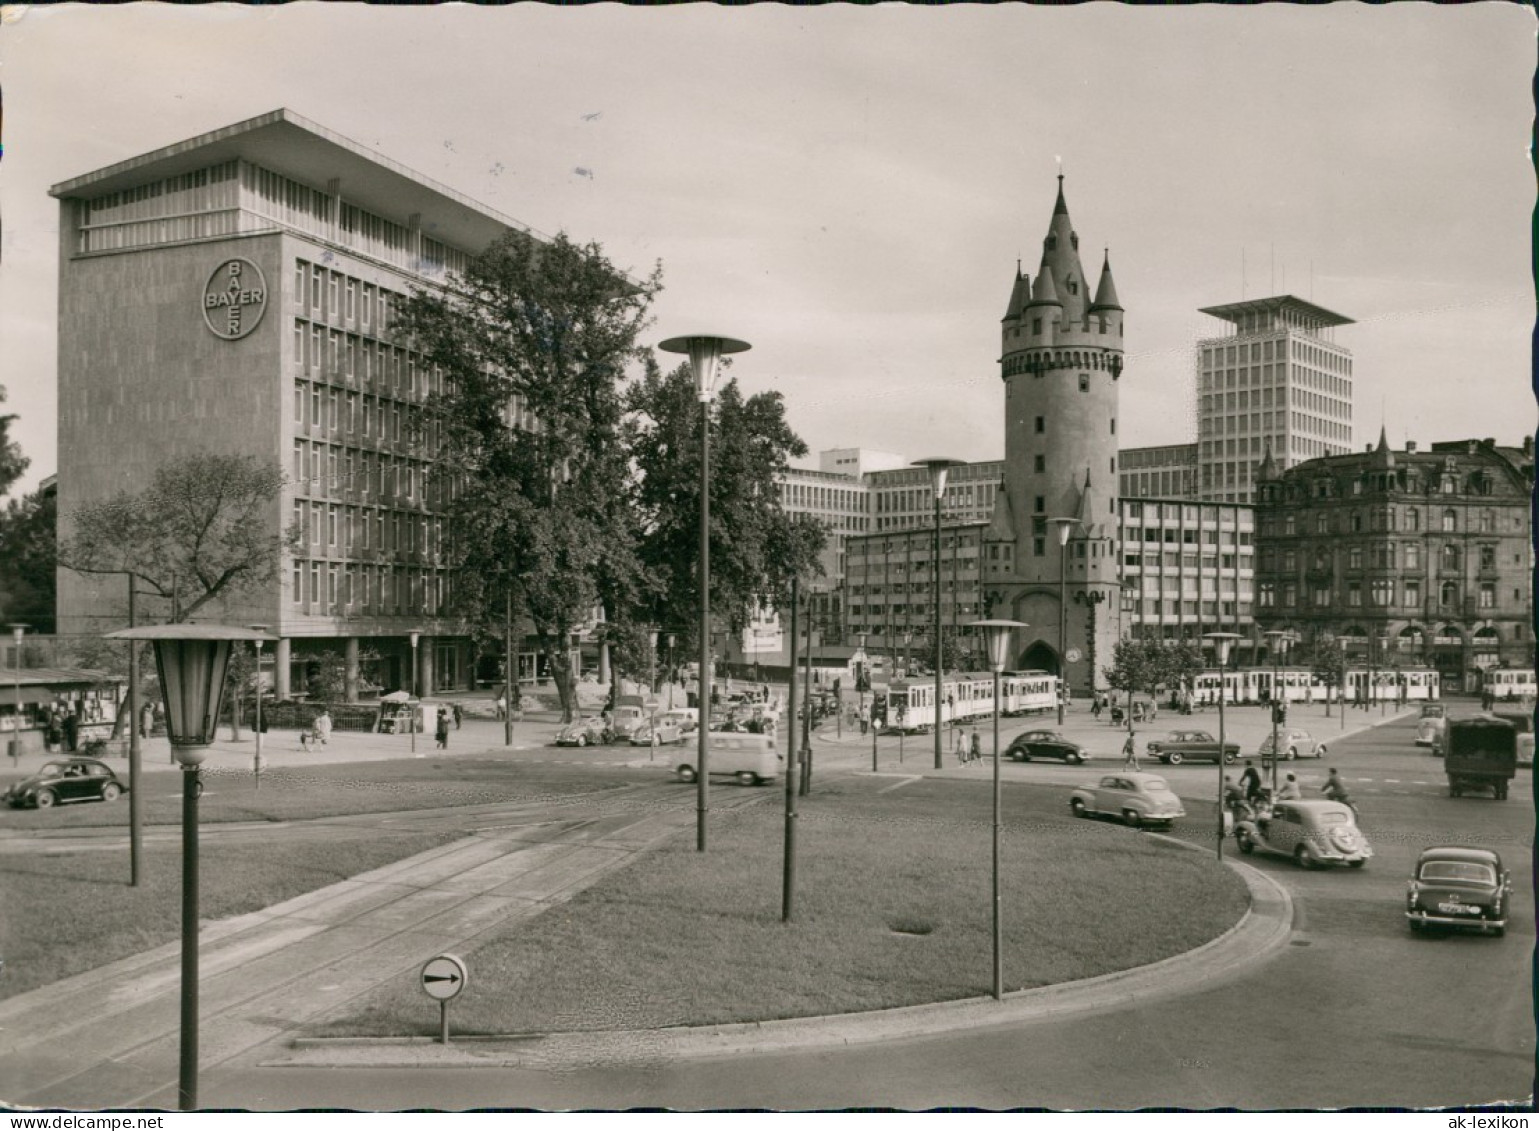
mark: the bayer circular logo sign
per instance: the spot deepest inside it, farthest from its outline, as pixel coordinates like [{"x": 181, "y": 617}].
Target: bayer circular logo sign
[{"x": 234, "y": 299}]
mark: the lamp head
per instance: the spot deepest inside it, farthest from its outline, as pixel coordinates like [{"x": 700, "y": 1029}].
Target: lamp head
[
  {"x": 997, "y": 635},
  {"x": 939, "y": 467},
  {"x": 1065, "y": 527},
  {"x": 1222, "y": 642},
  {"x": 415, "y": 636},
  {"x": 192, "y": 660},
  {"x": 704, "y": 352}
]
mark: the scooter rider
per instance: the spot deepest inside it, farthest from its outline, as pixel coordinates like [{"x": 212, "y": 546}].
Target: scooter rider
[{"x": 1336, "y": 790}]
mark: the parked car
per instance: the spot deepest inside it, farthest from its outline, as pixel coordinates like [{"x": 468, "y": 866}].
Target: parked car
[
  {"x": 1138, "y": 798},
  {"x": 1459, "y": 887},
  {"x": 1045, "y": 744},
  {"x": 668, "y": 731},
  {"x": 584, "y": 732},
  {"x": 750, "y": 758},
  {"x": 1187, "y": 745},
  {"x": 1295, "y": 743},
  {"x": 1313, "y": 833},
  {"x": 627, "y": 717},
  {"x": 63, "y": 781}
]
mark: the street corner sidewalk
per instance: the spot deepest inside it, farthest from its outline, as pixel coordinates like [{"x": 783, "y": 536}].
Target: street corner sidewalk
[{"x": 1260, "y": 933}]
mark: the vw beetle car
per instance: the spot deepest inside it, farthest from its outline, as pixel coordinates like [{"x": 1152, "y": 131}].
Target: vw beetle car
[
  {"x": 1045, "y": 744},
  {"x": 1138, "y": 798},
  {"x": 1428, "y": 730},
  {"x": 1315, "y": 834},
  {"x": 63, "y": 781},
  {"x": 1458, "y": 887},
  {"x": 668, "y": 732},
  {"x": 583, "y": 732},
  {"x": 1185, "y": 745},
  {"x": 1295, "y": 743}
]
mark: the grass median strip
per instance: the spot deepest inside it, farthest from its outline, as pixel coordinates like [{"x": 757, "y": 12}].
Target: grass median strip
[
  {"x": 892, "y": 909},
  {"x": 69, "y": 913}
]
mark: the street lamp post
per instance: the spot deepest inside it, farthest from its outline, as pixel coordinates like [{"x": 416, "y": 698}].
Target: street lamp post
[
  {"x": 997, "y": 635},
  {"x": 938, "y": 467},
  {"x": 671, "y": 638},
  {"x": 1277, "y": 644},
  {"x": 1065, "y": 526},
  {"x": 1222, "y": 642},
  {"x": 872, "y": 713},
  {"x": 705, "y": 351},
  {"x": 256, "y": 760},
  {"x": 788, "y": 854},
  {"x": 411, "y": 710},
  {"x": 192, "y": 660},
  {"x": 17, "y": 632},
  {"x": 1383, "y": 653}
]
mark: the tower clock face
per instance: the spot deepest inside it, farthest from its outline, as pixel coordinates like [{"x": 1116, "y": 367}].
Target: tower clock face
[{"x": 234, "y": 299}]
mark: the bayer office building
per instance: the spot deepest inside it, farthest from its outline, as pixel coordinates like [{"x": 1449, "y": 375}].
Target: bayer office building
[{"x": 233, "y": 294}]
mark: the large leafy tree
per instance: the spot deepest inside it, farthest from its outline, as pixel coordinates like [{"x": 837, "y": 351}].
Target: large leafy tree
[
  {"x": 28, "y": 559},
  {"x": 1327, "y": 661},
  {"x": 201, "y": 532},
  {"x": 12, "y": 462},
  {"x": 535, "y": 341},
  {"x": 1149, "y": 665},
  {"x": 756, "y": 547}
]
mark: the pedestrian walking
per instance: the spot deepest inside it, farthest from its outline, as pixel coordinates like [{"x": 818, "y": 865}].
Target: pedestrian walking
[
  {"x": 323, "y": 727},
  {"x": 1095, "y": 709},
  {"x": 975, "y": 744},
  {"x": 71, "y": 731},
  {"x": 502, "y": 708},
  {"x": 1130, "y": 751},
  {"x": 865, "y": 719},
  {"x": 456, "y": 716},
  {"x": 147, "y": 720},
  {"x": 441, "y": 730}
]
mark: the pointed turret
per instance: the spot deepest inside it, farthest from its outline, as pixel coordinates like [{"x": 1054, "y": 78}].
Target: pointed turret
[
  {"x": 1382, "y": 455},
  {"x": 1267, "y": 468},
  {"x": 1045, "y": 293},
  {"x": 1083, "y": 512},
  {"x": 1106, "y": 292},
  {"x": 1020, "y": 294},
  {"x": 1060, "y": 256}
]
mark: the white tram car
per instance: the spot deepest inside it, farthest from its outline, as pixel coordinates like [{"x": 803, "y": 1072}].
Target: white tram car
[
  {"x": 1509, "y": 683},
  {"x": 1300, "y": 685},
  {"x": 967, "y": 697}
]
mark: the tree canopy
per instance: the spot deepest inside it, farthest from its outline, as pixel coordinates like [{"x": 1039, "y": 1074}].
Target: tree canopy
[
  {"x": 1148, "y": 665},
  {"x": 756, "y": 547},
  {"x": 535, "y": 341},
  {"x": 200, "y": 532},
  {"x": 28, "y": 560},
  {"x": 12, "y": 462}
]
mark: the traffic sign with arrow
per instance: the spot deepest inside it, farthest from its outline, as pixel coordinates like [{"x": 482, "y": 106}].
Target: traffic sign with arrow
[{"x": 443, "y": 977}]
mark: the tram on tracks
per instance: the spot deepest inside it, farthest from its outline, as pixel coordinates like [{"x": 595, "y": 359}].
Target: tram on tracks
[
  {"x": 966, "y": 697},
  {"x": 1301, "y": 685},
  {"x": 1509, "y": 684}
]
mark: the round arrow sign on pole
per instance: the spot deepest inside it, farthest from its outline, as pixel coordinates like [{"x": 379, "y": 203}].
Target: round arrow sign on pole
[{"x": 443, "y": 977}]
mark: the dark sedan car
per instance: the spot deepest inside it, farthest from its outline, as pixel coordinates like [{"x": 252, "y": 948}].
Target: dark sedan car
[
  {"x": 64, "y": 780},
  {"x": 1190, "y": 745},
  {"x": 1045, "y": 744},
  {"x": 1460, "y": 888}
]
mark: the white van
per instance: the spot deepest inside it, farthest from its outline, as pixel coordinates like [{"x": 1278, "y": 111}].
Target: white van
[{"x": 750, "y": 758}]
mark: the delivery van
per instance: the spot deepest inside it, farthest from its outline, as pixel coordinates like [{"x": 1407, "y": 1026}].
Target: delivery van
[{"x": 750, "y": 758}]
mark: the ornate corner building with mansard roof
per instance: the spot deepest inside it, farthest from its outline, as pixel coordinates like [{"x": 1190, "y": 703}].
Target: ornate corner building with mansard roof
[
  {"x": 1410, "y": 558},
  {"x": 1061, "y": 357}
]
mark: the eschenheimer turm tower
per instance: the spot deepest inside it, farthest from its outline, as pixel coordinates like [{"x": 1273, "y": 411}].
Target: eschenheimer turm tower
[{"x": 1060, "y": 362}]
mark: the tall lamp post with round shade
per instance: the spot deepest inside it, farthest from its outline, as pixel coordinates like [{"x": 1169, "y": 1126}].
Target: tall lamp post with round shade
[
  {"x": 939, "y": 467},
  {"x": 996, "y": 634},
  {"x": 1222, "y": 642},
  {"x": 192, "y": 660},
  {"x": 704, "y": 351},
  {"x": 1383, "y": 658},
  {"x": 1277, "y": 643},
  {"x": 256, "y": 760},
  {"x": 1065, "y": 527}
]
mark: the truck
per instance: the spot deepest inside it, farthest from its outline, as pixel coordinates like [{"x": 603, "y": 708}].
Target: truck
[{"x": 1480, "y": 754}]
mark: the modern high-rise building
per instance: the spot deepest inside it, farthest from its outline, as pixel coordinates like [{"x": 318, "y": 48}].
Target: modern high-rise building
[
  {"x": 1166, "y": 471},
  {"x": 1277, "y": 382},
  {"x": 234, "y": 293}
]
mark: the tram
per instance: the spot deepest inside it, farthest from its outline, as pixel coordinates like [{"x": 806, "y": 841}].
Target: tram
[
  {"x": 1301, "y": 685},
  {"x": 1505, "y": 684},
  {"x": 966, "y": 697}
]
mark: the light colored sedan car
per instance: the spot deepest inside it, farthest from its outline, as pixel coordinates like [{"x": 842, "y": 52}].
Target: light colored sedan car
[
  {"x": 668, "y": 731},
  {"x": 1295, "y": 743},
  {"x": 1137, "y": 798},
  {"x": 1314, "y": 833}
]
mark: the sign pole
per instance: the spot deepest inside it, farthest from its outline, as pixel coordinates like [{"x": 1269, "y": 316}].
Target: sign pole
[{"x": 443, "y": 1022}]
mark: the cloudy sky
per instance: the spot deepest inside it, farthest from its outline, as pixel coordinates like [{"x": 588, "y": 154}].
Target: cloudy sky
[{"x": 850, "y": 188}]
